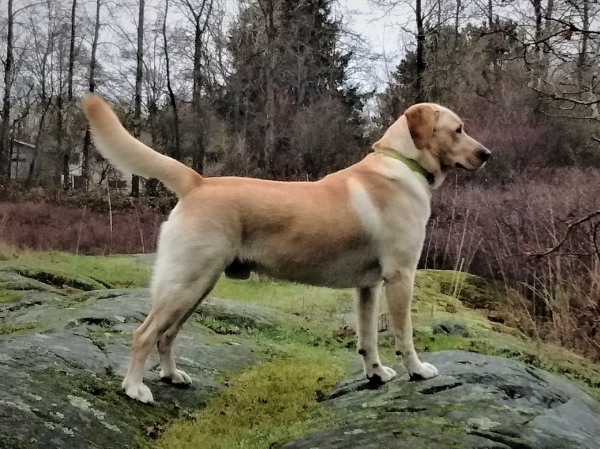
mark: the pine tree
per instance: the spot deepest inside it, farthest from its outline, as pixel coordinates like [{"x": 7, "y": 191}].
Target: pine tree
[{"x": 289, "y": 80}]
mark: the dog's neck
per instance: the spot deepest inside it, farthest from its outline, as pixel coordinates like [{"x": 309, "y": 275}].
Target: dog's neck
[
  {"x": 398, "y": 144},
  {"x": 410, "y": 163}
]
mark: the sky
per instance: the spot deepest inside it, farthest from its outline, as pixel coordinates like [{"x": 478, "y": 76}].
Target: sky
[{"x": 386, "y": 36}]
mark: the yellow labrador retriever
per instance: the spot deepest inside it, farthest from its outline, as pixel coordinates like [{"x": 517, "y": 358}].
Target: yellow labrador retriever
[{"x": 361, "y": 227}]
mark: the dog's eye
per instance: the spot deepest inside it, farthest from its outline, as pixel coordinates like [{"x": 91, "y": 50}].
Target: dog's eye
[{"x": 459, "y": 130}]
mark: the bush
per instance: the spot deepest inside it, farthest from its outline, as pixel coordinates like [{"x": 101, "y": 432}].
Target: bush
[{"x": 494, "y": 232}]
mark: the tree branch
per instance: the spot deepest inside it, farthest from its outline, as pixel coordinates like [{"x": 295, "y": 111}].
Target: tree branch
[{"x": 569, "y": 229}]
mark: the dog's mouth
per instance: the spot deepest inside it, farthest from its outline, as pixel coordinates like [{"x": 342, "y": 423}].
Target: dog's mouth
[
  {"x": 464, "y": 167},
  {"x": 473, "y": 167}
]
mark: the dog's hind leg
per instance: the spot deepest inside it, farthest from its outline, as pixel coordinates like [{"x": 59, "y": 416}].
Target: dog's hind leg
[
  {"x": 173, "y": 303},
  {"x": 367, "y": 311},
  {"x": 168, "y": 367}
]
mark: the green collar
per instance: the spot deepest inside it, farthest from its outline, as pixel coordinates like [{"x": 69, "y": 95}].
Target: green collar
[{"x": 410, "y": 163}]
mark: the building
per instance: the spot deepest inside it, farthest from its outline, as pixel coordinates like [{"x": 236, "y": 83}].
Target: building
[{"x": 21, "y": 160}]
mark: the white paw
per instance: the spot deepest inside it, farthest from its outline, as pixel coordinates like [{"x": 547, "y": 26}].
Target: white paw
[
  {"x": 139, "y": 392},
  {"x": 179, "y": 377},
  {"x": 380, "y": 373},
  {"x": 422, "y": 371}
]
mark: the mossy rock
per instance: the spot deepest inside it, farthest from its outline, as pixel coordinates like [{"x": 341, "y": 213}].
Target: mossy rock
[
  {"x": 65, "y": 374},
  {"x": 477, "y": 401}
]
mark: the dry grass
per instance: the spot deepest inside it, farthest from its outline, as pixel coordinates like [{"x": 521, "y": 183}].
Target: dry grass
[
  {"x": 493, "y": 232},
  {"x": 43, "y": 226}
]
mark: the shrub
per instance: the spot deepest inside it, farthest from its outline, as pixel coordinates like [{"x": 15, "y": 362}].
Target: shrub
[{"x": 494, "y": 231}]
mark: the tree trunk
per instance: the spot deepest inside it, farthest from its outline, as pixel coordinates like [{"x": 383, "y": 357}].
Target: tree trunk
[
  {"x": 457, "y": 22},
  {"x": 198, "y": 151},
  {"x": 6, "y": 106},
  {"x": 582, "y": 57},
  {"x": 268, "y": 10},
  {"x": 87, "y": 140},
  {"x": 176, "y": 149},
  {"x": 67, "y": 152},
  {"x": 71, "y": 52},
  {"x": 137, "y": 115},
  {"x": 420, "y": 63}
]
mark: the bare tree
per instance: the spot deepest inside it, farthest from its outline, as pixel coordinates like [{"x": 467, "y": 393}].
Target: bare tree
[
  {"x": 420, "y": 62},
  {"x": 8, "y": 79},
  {"x": 268, "y": 10},
  {"x": 137, "y": 114},
  {"x": 70, "y": 76},
  {"x": 199, "y": 13},
  {"x": 87, "y": 140},
  {"x": 176, "y": 149}
]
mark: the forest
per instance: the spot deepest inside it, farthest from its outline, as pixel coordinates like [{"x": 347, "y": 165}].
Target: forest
[{"x": 288, "y": 89}]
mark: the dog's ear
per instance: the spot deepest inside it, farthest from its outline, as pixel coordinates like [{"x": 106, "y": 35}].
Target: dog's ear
[{"x": 421, "y": 119}]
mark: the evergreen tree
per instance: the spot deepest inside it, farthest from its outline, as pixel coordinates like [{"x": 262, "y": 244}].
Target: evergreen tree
[{"x": 288, "y": 96}]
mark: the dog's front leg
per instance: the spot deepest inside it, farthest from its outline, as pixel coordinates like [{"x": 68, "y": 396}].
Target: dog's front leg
[
  {"x": 367, "y": 312},
  {"x": 399, "y": 290}
]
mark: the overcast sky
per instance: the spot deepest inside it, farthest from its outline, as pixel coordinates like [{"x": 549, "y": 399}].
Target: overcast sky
[{"x": 385, "y": 38}]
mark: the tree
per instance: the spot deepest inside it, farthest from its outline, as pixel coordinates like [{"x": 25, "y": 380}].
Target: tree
[
  {"x": 420, "y": 54},
  {"x": 200, "y": 14},
  {"x": 70, "y": 77},
  {"x": 137, "y": 115},
  {"x": 287, "y": 62},
  {"x": 6, "y": 105},
  {"x": 87, "y": 140},
  {"x": 175, "y": 150}
]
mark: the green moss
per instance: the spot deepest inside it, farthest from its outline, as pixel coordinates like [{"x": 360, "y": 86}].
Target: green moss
[
  {"x": 117, "y": 271},
  {"x": 7, "y": 296},
  {"x": 6, "y": 330},
  {"x": 266, "y": 404}
]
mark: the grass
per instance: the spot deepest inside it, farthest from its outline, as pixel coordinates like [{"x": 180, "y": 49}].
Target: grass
[
  {"x": 7, "y": 251},
  {"x": 312, "y": 303},
  {"x": 265, "y": 405},
  {"x": 117, "y": 271}
]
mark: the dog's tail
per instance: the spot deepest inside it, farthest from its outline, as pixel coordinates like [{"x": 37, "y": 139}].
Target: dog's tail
[{"x": 130, "y": 155}]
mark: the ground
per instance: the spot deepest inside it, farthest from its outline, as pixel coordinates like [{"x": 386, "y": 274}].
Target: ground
[{"x": 263, "y": 360}]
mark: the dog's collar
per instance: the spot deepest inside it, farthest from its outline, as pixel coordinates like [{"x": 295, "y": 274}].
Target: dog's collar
[{"x": 410, "y": 163}]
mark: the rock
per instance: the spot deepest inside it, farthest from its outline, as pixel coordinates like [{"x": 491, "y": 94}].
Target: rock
[
  {"x": 477, "y": 402},
  {"x": 241, "y": 314},
  {"x": 61, "y": 381},
  {"x": 451, "y": 328},
  {"x": 31, "y": 279}
]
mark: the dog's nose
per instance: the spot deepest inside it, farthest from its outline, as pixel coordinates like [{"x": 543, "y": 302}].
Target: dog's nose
[{"x": 484, "y": 154}]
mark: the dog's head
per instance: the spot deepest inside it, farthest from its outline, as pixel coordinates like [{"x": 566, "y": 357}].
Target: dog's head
[{"x": 435, "y": 137}]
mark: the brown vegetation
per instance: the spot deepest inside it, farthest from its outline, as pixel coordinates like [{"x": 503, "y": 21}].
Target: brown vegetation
[
  {"x": 502, "y": 233},
  {"x": 41, "y": 222}
]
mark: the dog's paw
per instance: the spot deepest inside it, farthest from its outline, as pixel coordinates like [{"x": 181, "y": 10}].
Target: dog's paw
[
  {"x": 380, "y": 374},
  {"x": 422, "y": 371},
  {"x": 139, "y": 392},
  {"x": 178, "y": 377}
]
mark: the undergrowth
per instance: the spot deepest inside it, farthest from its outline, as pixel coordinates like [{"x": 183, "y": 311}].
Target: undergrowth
[{"x": 265, "y": 405}]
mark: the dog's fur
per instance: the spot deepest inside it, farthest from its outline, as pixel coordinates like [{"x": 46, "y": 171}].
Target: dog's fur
[{"x": 361, "y": 227}]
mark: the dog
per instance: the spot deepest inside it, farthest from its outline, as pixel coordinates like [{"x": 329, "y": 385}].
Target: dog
[{"x": 361, "y": 227}]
